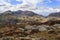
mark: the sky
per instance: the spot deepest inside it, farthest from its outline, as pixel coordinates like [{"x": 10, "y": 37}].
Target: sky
[{"x": 44, "y": 7}]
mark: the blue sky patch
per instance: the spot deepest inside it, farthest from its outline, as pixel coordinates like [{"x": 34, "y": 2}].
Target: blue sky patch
[{"x": 14, "y": 2}]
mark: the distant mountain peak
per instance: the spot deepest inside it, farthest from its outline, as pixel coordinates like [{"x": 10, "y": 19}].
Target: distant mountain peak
[
  {"x": 57, "y": 14},
  {"x": 21, "y": 13}
]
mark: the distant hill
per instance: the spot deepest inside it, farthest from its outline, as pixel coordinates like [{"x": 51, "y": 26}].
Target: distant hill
[
  {"x": 57, "y": 14},
  {"x": 20, "y": 13},
  {"x": 12, "y": 15}
]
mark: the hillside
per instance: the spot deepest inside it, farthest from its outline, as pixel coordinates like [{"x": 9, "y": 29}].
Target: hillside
[{"x": 26, "y": 25}]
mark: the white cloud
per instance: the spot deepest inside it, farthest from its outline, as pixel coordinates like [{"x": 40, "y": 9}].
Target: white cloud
[
  {"x": 4, "y": 2},
  {"x": 30, "y": 5},
  {"x": 30, "y": 2}
]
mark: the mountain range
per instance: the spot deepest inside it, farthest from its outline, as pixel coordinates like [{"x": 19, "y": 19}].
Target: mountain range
[
  {"x": 20, "y": 13},
  {"x": 28, "y": 13},
  {"x": 57, "y": 14}
]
